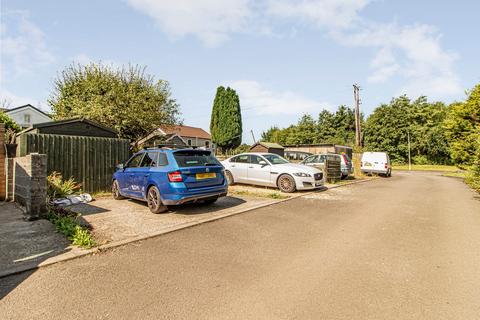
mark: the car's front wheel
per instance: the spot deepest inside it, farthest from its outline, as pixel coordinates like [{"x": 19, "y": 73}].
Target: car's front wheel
[
  {"x": 286, "y": 183},
  {"x": 116, "y": 191},
  {"x": 154, "y": 202}
]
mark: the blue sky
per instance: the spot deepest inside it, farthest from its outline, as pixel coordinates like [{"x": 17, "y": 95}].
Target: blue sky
[{"x": 283, "y": 57}]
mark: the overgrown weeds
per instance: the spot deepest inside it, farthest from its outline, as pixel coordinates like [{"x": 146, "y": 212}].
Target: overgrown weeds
[{"x": 67, "y": 222}]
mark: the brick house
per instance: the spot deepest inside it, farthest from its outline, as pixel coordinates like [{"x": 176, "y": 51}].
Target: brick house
[{"x": 178, "y": 135}]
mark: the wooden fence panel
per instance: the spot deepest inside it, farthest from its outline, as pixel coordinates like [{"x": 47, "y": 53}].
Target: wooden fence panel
[{"x": 90, "y": 161}]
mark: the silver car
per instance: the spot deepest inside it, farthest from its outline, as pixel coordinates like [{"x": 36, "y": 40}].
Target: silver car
[
  {"x": 318, "y": 161},
  {"x": 268, "y": 169}
]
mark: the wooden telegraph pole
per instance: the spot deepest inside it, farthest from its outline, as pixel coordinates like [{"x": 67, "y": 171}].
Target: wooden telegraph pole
[{"x": 356, "y": 98}]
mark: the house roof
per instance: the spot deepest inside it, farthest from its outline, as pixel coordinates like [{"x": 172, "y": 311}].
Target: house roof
[
  {"x": 185, "y": 131},
  {"x": 26, "y": 106},
  {"x": 269, "y": 145},
  {"x": 67, "y": 121}
]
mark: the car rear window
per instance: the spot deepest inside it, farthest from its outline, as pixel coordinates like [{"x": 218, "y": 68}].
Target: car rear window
[{"x": 195, "y": 158}]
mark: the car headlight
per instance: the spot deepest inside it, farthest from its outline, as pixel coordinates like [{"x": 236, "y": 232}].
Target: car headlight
[{"x": 302, "y": 174}]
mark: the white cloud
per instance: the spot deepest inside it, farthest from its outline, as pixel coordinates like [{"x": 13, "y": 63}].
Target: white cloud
[
  {"x": 24, "y": 47},
  {"x": 9, "y": 99},
  {"x": 322, "y": 13},
  {"x": 267, "y": 102},
  {"x": 210, "y": 20},
  {"x": 413, "y": 53}
]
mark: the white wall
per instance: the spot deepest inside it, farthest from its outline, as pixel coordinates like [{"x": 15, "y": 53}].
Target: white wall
[{"x": 19, "y": 116}]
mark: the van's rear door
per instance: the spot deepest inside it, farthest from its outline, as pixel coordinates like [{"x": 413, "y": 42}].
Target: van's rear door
[{"x": 199, "y": 168}]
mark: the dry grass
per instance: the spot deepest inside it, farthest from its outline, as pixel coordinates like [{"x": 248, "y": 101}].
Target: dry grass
[{"x": 427, "y": 167}]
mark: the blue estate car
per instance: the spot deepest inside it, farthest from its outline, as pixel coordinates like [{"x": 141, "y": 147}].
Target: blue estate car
[{"x": 164, "y": 177}]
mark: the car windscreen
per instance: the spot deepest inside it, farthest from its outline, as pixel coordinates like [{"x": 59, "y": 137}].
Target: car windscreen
[
  {"x": 274, "y": 159},
  {"x": 193, "y": 158}
]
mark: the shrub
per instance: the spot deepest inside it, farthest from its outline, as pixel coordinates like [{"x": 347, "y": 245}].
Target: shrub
[
  {"x": 420, "y": 159},
  {"x": 9, "y": 123},
  {"x": 60, "y": 188}
]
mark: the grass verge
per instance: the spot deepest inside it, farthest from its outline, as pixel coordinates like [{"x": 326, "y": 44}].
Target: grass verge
[
  {"x": 469, "y": 178},
  {"x": 473, "y": 181},
  {"x": 427, "y": 167},
  {"x": 67, "y": 223},
  {"x": 258, "y": 194}
]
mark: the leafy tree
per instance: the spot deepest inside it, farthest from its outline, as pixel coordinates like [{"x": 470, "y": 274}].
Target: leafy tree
[
  {"x": 126, "y": 99},
  {"x": 387, "y": 129},
  {"x": 271, "y": 135},
  {"x": 226, "y": 120},
  {"x": 462, "y": 127},
  {"x": 337, "y": 127},
  {"x": 9, "y": 123}
]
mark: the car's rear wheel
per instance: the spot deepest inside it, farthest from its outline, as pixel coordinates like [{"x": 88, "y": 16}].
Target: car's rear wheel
[
  {"x": 229, "y": 177},
  {"x": 154, "y": 202},
  {"x": 116, "y": 191},
  {"x": 286, "y": 183}
]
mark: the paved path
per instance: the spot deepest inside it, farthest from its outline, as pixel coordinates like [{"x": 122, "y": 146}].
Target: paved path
[{"x": 399, "y": 248}]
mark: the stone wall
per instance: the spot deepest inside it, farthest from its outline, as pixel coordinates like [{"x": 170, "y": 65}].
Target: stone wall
[{"x": 30, "y": 184}]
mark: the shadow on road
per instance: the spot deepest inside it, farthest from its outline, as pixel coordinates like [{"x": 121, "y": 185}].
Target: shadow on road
[{"x": 24, "y": 245}]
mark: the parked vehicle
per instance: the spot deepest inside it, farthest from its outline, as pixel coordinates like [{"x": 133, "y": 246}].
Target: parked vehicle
[
  {"x": 376, "y": 162},
  {"x": 319, "y": 160},
  {"x": 163, "y": 177},
  {"x": 346, "y": 166},
  {"x": 268, "y": 169},
  {"x": 296, "y": 155}
]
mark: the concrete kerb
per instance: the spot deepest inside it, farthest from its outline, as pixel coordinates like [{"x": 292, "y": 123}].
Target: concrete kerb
[{"x": 74, "y": 255}]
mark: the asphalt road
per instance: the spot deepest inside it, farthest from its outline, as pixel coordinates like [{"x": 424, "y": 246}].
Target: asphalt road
[{"x": 407, "y": 247}]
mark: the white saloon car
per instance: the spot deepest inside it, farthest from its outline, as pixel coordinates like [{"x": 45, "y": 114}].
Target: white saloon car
[{"x": 268, "y": 169}]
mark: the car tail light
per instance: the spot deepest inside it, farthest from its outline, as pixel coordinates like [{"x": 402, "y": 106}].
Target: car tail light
[
  {"x": 386, "y": 166},
  {"x": 175, "y": 176}
]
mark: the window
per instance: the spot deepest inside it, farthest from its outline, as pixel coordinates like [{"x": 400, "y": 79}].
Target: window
[
  {"x": 150, "y": 159},
  {"x": 26, "y": 118},
  {"x": 194, "y": 158},
  {"x": 311, "y": 159},
  {"x": 162, "y": 160},
  {"x": 189, "y": 142},
  {"x": 275, "y": 159},
  {"x": 135, "y": 161},
  {"x": 241, "y": 159},
  {"x": 256, "y": 159},
  {"x": 207, "y": 144}
]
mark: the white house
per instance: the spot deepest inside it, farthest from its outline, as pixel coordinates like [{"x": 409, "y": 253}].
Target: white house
[{"x": 27, "y": 115}]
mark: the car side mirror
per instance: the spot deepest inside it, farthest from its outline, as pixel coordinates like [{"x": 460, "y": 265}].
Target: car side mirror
[
  {"x": 120, "y": 166},
  {"x": 262, "y": 163}
]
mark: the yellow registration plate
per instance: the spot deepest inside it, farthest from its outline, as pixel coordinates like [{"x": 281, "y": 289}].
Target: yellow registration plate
[{"x": 208, "y": 175}]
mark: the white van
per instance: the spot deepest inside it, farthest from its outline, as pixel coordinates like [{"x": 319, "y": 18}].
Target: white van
[{"x": 376, "y": 162}]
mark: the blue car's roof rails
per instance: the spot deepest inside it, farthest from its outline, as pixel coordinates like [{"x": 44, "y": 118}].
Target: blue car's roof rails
[{"x": 171, "y": 146}]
